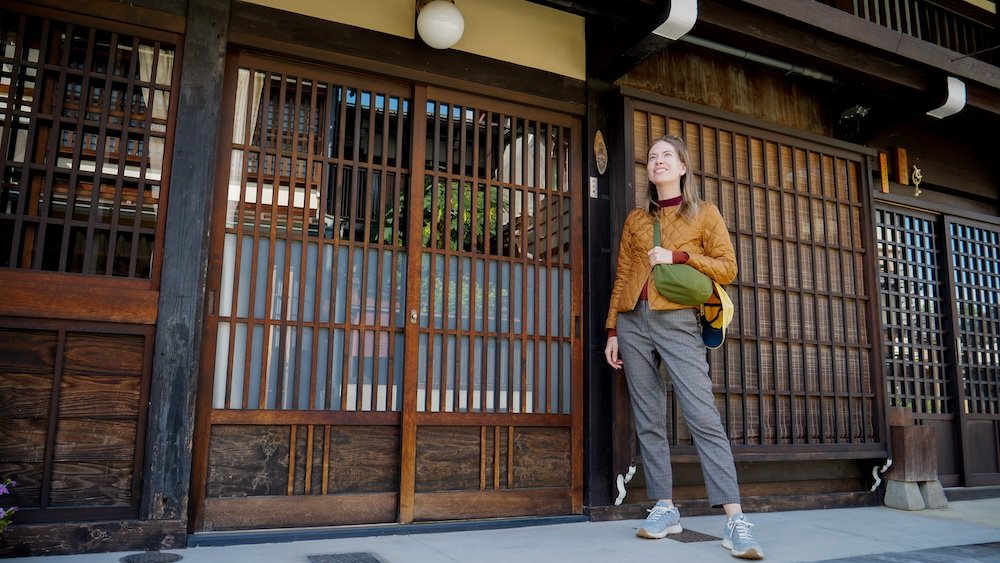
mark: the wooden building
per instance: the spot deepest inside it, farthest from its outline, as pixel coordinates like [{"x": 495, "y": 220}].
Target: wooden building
[{"x": 280, "y": 264}]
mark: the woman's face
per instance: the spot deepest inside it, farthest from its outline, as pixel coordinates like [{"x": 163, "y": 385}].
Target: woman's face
[{"x": 663, "y": 164}]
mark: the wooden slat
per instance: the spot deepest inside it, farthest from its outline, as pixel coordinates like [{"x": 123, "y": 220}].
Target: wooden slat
[
  {"x": 78, "y": 536},
  {"x": 340, "y": 418},
  {"x": 90, "y": 483},
  {"x": 364, "y": 459},
  {"x": 492, "y": 504},
  {"x": 93, "y": 439},
  {"x": 293, "y": 511},
  {"x": 451, "y": 458},
  {"x": 73, "y": 297},
  {"x": 107, "y": 396}
]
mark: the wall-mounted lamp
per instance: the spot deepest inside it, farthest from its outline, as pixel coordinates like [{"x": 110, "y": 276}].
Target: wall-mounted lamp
[{"x": 439, "y": 23}]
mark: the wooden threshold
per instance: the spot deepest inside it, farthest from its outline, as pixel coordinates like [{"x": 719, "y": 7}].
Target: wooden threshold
[
  {"x": 456, "y": 505},
  {"x": 295, "y": 511}
]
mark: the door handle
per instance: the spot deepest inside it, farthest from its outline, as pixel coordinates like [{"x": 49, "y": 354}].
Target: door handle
[{"x": 413, "y": 316}]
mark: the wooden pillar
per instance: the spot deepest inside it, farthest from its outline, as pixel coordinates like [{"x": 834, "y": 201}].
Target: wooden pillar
[{"x": 176, "y": 358}]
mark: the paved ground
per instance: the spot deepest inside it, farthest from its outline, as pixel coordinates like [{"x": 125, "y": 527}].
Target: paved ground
[{"x": 967, "y": 531}]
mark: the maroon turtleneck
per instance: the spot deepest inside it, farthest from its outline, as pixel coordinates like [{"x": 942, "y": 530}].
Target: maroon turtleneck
[{"x": 680, "y": 257}]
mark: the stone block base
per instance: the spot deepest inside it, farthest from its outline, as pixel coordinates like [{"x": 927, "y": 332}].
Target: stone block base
[
  {"x": 904, "y": 495},
  {"x": 933, "y": 494}
]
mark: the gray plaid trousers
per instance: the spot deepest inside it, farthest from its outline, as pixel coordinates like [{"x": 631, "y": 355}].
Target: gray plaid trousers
[{"x": 675, "y": 337}]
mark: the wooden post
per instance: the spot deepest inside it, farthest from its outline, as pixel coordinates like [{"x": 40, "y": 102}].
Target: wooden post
[{"x": 176, "y": 359}]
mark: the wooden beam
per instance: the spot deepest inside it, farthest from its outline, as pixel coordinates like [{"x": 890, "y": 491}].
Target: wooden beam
[
  {"x": 723, "y": 21},
  {"x": 166, "y": 15},
  {"x": 281, "y": 511},
  {"x": 263, "y": 28},
  {"x": 614, "y": 49},
  {"x": 914, "y": 52},
  {"x": 75, "y": 297},
  {"x": 76, "y": 538},
  {"x": 857, "y": 29},
  {"x": 505, "y": 503},
  {"x": 167, "y": 472}
]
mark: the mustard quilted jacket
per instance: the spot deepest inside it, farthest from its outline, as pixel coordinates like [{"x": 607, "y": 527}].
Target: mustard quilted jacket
[{"x": 705, "y": 239}]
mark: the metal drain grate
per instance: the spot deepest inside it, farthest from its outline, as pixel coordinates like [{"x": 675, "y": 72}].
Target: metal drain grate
[
  {"x": 691, "y": 536},
  {"x": 358, "y": 557},
  {"x": 151, "y": 557}
]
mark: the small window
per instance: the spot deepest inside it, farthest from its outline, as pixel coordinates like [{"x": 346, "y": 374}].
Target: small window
[{"x": 83, "y": 147}]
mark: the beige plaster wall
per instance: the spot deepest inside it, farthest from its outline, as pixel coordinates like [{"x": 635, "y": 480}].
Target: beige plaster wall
[{"x": 515, "y": 31}]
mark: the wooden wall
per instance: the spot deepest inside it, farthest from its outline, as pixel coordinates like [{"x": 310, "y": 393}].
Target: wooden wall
[
  {"x": 69, "y": 414},
  {"x": 726, "y": 83}
]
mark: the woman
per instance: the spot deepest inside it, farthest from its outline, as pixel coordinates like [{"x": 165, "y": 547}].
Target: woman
[{"x": 645, "y": 328}]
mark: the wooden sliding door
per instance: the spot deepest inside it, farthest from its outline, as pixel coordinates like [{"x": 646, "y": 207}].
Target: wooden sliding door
[
  {"x": 492, "y": 422},
  {"x": 393, "y": 312}
]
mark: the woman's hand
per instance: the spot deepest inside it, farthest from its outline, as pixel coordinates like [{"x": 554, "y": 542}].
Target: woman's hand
[
  {"x": 611, "y": 353},
  {"x": 660, "y": 255}
]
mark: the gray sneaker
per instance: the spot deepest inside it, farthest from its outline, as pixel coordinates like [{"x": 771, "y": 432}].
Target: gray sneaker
[
  {"x": 662, "y": 520},
  {"x": 739, "y": 540}
]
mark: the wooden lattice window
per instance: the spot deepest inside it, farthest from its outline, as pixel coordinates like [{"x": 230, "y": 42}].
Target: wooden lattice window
[
  {"x": 796, "y": 366},
  {"x": 975, "y": 254},
  {"x": 313, "y": 267},
  {"x": 497, "y": 300},
  {"x": 84, "y": 146},
  {"x": 913, "y": 312}
]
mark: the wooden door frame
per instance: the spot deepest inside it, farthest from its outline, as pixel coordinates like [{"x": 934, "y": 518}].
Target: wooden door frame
[
  {"x": 410, "y": 417},
  {"x": 407, "y": 419}
]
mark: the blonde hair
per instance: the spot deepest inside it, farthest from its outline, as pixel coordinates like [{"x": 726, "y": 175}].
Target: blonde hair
[{"x": 689, "y": 192}]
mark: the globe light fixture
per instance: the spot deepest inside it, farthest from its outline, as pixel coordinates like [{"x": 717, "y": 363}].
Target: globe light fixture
[{"x": 439, "y": 23}]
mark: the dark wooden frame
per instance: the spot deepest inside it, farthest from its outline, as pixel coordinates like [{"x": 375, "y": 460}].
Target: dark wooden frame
[
  {"x": 184, "y": 263},
  {"x": 958, "y": 211},
  {"x": 210, "y": 513},
  {"x": 62, "y": 327}
]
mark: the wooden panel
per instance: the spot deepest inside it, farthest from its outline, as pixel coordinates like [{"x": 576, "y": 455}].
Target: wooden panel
[
  {"x": 274, "y": 512},
  {"x": 364, "y": 459},
  {"x": 723, "y": 82},
  {"x": 98, "y": 483},
  {"x": 28, "y": 491},
  {"x": 25, "y": 395},
  {"x": 82, "y": 439},
  {"x": 914, "y": 454},
  {"x": 65, "y": 297},
  {"x": 92, "y": 537},
  {"x": 541, "y": 457},
  {"x": 103, "y": 354},
  {"x": 23, "y": 439},
  {"x": 492, "y": 504},
  {"x": 981, "y": 436},
  {"x": 25, "y": 351},
  {"x": 449, "y": 458},
  {"x": 248, "y": 461},
  {"x": 947, "y": 446},
  {"x": 827, "y": 486},
  {"x": 104, "y": 396},
  {"x": 765, "y": 479}
]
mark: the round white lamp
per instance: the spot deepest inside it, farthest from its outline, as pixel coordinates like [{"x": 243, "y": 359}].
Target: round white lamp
[{"x": 440, "y": 24}]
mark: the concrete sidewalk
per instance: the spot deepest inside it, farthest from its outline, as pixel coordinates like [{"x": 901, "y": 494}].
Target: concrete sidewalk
[{"x": 854, "y": 534}]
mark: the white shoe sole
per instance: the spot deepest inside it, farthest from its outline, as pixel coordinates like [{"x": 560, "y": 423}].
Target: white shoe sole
[
  {"x": 675, "y": 529},
  {"x": 751, "y": 553}
]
